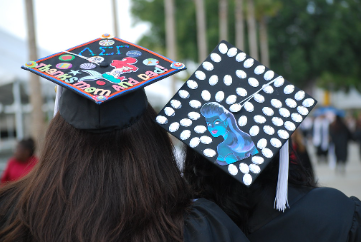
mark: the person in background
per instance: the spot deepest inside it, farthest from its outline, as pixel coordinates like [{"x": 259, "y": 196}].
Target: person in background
[
  {"x": 320, "y": 137},
  {"x": 298, "y": 145},
  {"x": 357, "y": 134},
  {"x": 22, "y": 163},
  {"x": 340, "y": 136},
  {"x": 350, "y": 122}
]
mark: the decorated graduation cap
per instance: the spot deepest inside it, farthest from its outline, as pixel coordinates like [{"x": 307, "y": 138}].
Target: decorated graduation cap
[
  {"x": 238, "y": 114},
  {"x": 100, "y": 83}
]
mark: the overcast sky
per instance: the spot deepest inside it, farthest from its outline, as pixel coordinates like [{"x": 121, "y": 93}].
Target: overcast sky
[{"x": 67, "y": 23}]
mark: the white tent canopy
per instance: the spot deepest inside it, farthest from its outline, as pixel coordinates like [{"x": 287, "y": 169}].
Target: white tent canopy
[{"x": 341, "y": 99}]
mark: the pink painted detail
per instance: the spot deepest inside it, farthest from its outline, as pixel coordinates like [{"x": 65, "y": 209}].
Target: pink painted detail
[
  {"x": 151, "y": 74},
  {"x": 100, "y": 83},
  {"x": 125, "y": 65},
  {"x": 64, "y": 65},
  {"x": 40, "y": 65},
  {"x": 122, "y": 78},
  {"x": 118, "y": 88},
  {"x": 161, "y": 67}
]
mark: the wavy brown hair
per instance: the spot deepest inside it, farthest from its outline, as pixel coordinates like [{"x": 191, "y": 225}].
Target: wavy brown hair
[{"x": 118, "y": 186}]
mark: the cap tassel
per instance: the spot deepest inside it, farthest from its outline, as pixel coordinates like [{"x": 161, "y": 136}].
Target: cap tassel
[
  {"x": 59, "y": 92},
  {"x": 281, "y": 200}
]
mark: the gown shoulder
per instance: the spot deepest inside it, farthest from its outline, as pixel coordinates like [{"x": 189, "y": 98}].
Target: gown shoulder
[
  {"x": 207, "y": 222},
  {"x": 311, "y": 213},
  {"x": 355, "y": 231}
]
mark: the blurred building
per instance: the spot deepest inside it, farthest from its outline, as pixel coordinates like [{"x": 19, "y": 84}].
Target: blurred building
[{"x": 14, "y": 91}]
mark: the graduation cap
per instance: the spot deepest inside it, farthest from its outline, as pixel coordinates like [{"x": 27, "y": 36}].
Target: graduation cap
[
  {"x": 101, "y": 82},
  {"x": 238, "y": 114}
]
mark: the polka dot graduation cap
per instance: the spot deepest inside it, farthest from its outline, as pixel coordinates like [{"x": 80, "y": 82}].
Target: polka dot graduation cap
[
  {"x": 103, "y": 78},
  {"x": 235, "y": 112}
]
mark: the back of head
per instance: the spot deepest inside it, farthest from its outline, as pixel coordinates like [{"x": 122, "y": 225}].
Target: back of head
[
  {"x": 29, "y": 144},
  {"x": 24, "y": 150},
  {"x": 116, "y": 186}
]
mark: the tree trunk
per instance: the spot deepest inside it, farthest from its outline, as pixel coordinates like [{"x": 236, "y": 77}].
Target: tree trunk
[
  {"x": 201, "y": 30},
  {"x": 239, "y": 24},
  {"x": 264, "y": 41},
  {"x": 223, "y": 25},
  {"x": 36, "y": 101},
  {"x": 252, "y": 31},
  {"x": 115, "y": 18},
  {"x": 170, "y": 36}
]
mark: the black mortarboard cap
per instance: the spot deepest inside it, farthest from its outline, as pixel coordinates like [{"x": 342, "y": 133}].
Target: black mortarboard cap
[
  {"x": 103, "y": 81},
  {"x": 235, "y": 112}
]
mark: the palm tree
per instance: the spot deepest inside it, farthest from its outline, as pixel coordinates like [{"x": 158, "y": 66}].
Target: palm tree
[
  {"x": 170, "y": 36},
  {"x": 201, "y": 30},
  {"x": 223, "y": 23},
  {"x": 115, "y": 18},
  {"x": 264, "y": 10},
  {"x": 239, "y": 24},
  {"x": 36, "y": 101},
  {"x": 252, "y": 30},
  {"x": 263, "y": 38}
]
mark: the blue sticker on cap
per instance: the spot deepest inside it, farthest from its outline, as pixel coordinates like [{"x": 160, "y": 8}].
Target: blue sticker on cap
[
  {"x": 101, "y": 98},
  {"x": 134, "y": 53},
  {"x": 150, "y": 62}
]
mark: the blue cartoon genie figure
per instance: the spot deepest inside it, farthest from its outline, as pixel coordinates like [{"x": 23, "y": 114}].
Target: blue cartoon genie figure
[{"x": 237, "y": 145}]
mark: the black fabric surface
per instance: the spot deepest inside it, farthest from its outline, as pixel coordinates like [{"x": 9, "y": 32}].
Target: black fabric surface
[
  {"x": 207, "y": 223},
  {"x": 317, "y": 215},
  {"x": 84, "y": 114}
]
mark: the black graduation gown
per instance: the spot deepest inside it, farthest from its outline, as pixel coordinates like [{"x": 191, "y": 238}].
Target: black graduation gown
[
  {"x": 340, "y": 139},
  {"x": 315, "y": 215},
  {"x": 208, "y": 223}
]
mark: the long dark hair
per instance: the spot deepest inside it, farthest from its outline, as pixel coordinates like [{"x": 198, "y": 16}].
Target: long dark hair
[
  {"x": 118, "y": 186},
  {"x": 235, "y": 199}
]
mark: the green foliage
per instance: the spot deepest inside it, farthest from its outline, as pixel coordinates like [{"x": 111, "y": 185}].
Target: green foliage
[
  {"x": 308, "y": 40},
  {"x": 267, "y": 8},
  {"x": 317, "y": 40},
  {"x": 152, "y": 11}
]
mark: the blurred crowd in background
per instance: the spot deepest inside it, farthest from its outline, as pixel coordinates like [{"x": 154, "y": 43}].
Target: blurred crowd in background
[{"x": 330, "y": 133}]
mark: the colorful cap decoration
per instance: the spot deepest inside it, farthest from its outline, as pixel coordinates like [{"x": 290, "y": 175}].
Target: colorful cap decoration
[
  {"x": 235, "y": 112},
  {"x": 107, "y": 71},
  {"x": 104, "y": 68}
]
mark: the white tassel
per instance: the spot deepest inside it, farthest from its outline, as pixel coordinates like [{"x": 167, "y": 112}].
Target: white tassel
[
  {"x": 281, "y": 200},
  {"x": 59, "y": 92}
]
